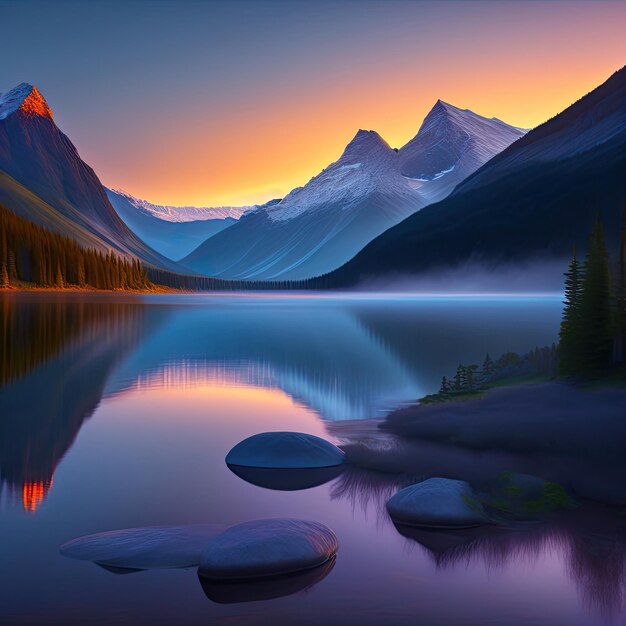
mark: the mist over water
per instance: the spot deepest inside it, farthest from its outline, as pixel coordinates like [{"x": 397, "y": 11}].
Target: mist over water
[
  {"x": 476, "y": 277},
  {"x": 118, "y": 411}
]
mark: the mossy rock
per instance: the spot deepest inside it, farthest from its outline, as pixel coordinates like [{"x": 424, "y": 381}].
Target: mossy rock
[{"x": 523, "y": 495}]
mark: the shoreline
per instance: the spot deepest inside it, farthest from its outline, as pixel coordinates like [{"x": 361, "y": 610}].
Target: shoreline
[
  {"x": 75, "y": 289},
  {"x": 567, "y": 435}
]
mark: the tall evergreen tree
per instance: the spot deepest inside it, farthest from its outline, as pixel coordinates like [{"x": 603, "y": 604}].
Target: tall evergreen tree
[
  {"x": 470, "y": 380},
  {"x": 596, "y": 329},
  {"x": 58, "y": 281},
  {"x": 459, "y": 379},
  {"x": 4, "y": 277},
  {"x": 444, "y": 389},
  {"x": 570, "y": 332},
  {"x": 80, "y": 271},
  {"x": 488, "y": 368}
]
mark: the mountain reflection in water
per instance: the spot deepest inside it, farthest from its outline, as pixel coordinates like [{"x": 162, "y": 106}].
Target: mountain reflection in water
[
  {"x": 62, "y": 353},
  {"x": 56, "y": 359},
  {"x": 223, "y": 368}
]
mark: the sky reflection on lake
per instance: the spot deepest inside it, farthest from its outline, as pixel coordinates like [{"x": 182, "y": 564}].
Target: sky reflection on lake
[{"x": 117, "y": 411}]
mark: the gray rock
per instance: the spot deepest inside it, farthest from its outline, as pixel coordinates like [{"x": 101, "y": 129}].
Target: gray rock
[
  {"x": 286, "y": 450},
  {"x": 270, "y": 547},
  {"x": 157, "y": 547},
  {"x": 437, "y": 502}
]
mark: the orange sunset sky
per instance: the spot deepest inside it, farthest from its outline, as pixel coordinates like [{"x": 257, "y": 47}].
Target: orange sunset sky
[{"x": 239, "y": 102}]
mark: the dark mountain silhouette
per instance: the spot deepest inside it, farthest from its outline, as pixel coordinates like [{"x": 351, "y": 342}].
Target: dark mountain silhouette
[
  {"x": 535, "y": 200},
  {"x": 43, "y": 178},
  {"x": 371, "y": 187}
]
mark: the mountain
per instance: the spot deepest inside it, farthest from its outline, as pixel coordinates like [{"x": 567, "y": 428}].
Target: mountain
[
  {"x": 372, "y": 187},
  {"x": 172, "y": 231},
  {"x": 451, "y": 144},
  {"x": 181, "y": 214},
  {"x": 532, "y": 202},
  {"x": 43, "y": 178}
]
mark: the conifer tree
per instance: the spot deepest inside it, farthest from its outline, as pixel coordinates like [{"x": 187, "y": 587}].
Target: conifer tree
[
  {"x": 470, "y": 381},
  {"x": 596, "y": 331},
  {"x": 59, "y": 282},
  {"x": 570, "y": 332},
  {"x": 444, "y": 389},
  {"x": 11, "y": 266},
  {"x": 488, "y": 368},
  {"x": 80, "y": 271},
  {"x": 459, "y": 378},
  {"x": 4, "y": 277}
]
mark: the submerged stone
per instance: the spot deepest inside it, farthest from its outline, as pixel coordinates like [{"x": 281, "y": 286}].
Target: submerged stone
[
  {"x": 238, "y": 591},
  {"x": 287, "y": 479},
  {"x": 285, "y": 450},
  {"x": 437, "y": 502},
  {"x": 157, "y": 547},
  {"x": 269, "y": 547}
]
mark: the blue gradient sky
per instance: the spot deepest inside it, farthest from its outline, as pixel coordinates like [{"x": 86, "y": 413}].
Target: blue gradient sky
[{"x": 236, "y": 102}]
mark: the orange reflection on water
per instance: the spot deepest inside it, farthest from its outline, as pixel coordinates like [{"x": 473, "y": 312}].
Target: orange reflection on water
[{"x": 33, "y": 493}]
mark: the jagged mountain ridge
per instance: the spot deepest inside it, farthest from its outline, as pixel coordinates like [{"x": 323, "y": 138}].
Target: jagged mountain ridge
[
  {"x": 452, "y": 144},
  {"x": 172, "y": 238},
  {"x": 534, "y": 201},
  {"x": 321, "y": 225},
  {"x": 175, "y": 231},
  {"x": 180, "y": 214},
  {"x": 38, "y": 158}
]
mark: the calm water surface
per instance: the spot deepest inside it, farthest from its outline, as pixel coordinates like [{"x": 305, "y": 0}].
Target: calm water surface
[{"x": 117, "y": 411}]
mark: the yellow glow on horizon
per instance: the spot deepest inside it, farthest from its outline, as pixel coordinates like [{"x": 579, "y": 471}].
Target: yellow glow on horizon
[
  {"x": 287, "y": 153},
  {"x": 274, "y": 130}
]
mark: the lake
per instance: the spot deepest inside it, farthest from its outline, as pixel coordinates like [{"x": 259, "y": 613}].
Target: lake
[{"x": 118, "y": 411}]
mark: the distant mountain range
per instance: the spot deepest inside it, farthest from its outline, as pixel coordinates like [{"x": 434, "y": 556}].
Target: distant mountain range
[
  {"x": 535, "y": 200},
  {"x": 465, "y": 191},
  {"x": 172, "y": 231},
  {"x": 43, "y": 178},
  {"x": 181, "y": 214},
  {"x": 318, "y": 227}
]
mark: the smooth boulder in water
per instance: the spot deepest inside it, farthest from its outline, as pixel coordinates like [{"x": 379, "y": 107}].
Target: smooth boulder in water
[
  {"x": 157, "y": 547},
  {"x": 287, "y": 479},
  {"x": 260, "y": 589},
  {"x": 285, "y": 450},
  {"x": 437, "y": 503},
  {"x": 265, "y": 548}
]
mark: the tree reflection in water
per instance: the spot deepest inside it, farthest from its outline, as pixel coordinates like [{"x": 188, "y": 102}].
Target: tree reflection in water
[
  {"x": 55, "y": 361},
  {"x": 592, "y": 539}
]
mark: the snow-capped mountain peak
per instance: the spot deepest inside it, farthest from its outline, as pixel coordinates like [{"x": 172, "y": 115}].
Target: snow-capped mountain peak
[
  {"x": 450, "y": 139},
  {"x": 368, "y": 164},
  {"x": 24, "y": 98},
  {"x": 184, "y": 213},
  {"x": 368, "y": 189},
  {"x": 364, "y": 143}
]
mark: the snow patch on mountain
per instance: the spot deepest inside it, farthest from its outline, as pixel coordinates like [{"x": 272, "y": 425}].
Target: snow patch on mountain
[
  {"x": 367, "y": 165},
  {"x": 185, "y": 213},
  {"x": 370, "y": 188},
  {"x": 451, "y": 138},
  {"x": 25, "y": 98}
]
